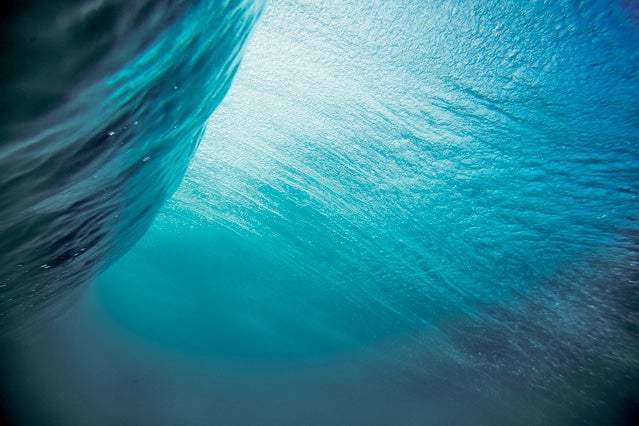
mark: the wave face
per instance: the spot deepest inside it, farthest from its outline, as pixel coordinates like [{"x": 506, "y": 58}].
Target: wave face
[
  {"x": 414, "y": 165},
  {"x": 102, "y": 106},
  {"x": 403, "y": 213},
  {"x": 451, "y": 187}
]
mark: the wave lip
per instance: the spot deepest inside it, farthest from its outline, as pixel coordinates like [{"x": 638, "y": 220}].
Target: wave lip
[{"x": 103, "y": 106}]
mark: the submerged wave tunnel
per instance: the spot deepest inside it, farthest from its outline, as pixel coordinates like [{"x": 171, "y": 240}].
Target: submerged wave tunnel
[
  {"x": 102, "y": 105},
  {"x": 403, "y": 213}
]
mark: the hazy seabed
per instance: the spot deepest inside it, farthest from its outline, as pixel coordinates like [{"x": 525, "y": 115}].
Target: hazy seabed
[{"x": 403, "y": 213}]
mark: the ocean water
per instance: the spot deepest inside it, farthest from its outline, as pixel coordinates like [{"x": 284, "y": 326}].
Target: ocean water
[
  {"x": 102, "y": 107},
  {"x": 402, "y": 213}
]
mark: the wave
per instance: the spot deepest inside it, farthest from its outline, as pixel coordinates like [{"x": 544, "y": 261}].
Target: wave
[
  {"x": 403, "y": 212},
  {"x": 452, "y": 188},
  {"x": 102, "y": 107}
]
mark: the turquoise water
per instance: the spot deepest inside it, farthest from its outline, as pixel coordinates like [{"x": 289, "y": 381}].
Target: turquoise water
[
  {"x": 402, "y": 213},
  {"x": 102, "y": 107},
  {"x": 407, "y": 176},
  {"x": 381, "y": 180}
]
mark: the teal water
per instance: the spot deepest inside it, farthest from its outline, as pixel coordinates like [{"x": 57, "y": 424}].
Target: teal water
[
  {"x": 453, "y": 185},
  {"x": 374, "y": 179},
  {"x": 402, "y": 213},
  {"x": 103, "y": 105}
]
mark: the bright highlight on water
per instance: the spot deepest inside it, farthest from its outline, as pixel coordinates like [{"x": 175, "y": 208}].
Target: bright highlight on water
[{"x": 401, "y": 213}]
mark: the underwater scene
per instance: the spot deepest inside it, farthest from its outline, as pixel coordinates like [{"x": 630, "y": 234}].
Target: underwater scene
[{"x": 319, "y": 212}]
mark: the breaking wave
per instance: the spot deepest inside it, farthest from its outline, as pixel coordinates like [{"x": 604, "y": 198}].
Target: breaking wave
[{"x": 103, "y": 105}]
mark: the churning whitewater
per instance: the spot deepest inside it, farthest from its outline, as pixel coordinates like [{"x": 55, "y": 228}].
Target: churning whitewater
[{"x": 402, "y": 213}]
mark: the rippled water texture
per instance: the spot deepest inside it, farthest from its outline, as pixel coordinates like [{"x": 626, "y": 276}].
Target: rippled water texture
[
  {"x": 102, "y": 106},
  {"x": 403, "y": 213}
]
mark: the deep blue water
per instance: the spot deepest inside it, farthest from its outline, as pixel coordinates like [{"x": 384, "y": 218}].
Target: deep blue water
[{"x": 402, "y": 213}]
